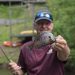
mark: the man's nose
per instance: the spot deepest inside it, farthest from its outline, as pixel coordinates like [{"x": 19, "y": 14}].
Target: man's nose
[{"x": 43, "y": 25}]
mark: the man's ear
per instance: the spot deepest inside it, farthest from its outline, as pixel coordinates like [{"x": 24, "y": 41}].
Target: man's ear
[{"x": 34, "y": 25}]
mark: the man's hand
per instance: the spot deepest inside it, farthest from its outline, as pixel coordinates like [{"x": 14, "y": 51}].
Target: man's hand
[
  {"x": 15, "y": 69},
  {"x": 60, "y": 43},
  {"x": 62, "y": 48}
]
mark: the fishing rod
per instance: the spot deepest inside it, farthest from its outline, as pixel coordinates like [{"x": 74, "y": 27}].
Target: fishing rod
[
  {"x": 4, "y": 53},
  {"x": 6, "y": 56}
]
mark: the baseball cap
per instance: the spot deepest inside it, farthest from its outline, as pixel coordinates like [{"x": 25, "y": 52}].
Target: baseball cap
[{"x": 43, "y": 15}]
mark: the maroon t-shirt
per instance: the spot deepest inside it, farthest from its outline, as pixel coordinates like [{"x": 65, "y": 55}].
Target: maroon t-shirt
[{"x": 40, "y": 61}]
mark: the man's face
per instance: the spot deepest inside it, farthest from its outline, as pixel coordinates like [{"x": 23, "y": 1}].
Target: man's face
[{"x": 44, "y": 25}]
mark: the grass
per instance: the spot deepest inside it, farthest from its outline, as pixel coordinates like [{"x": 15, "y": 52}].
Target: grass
[
  {"x": 6, "y": 32},
  {"x": 12, "y": 54}
]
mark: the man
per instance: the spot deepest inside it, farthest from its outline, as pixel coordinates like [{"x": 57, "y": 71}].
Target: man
[{"x": 37, "y": 58}]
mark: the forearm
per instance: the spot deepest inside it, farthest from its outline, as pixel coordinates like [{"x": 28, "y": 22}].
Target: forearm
[{"x": 63, "y": 54}]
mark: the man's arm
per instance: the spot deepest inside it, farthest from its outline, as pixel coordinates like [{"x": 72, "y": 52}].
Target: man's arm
[{"x": 62, "y": 48}]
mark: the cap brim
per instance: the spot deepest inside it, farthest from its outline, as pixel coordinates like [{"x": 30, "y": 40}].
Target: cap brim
[{"x": 42, "y": 19}]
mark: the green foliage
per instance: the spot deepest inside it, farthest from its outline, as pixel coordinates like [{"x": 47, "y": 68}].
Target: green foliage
[
  {"x": 3, "y": 11},
  {"x": 64, "y": 19},
  {"x": 70, "y": 65},
  {"x": 13, "y": 12},
  {"x": 64, "y": 24}
]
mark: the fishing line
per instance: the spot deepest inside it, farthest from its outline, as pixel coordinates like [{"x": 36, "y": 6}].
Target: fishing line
[{"x": 4, "y": 53}]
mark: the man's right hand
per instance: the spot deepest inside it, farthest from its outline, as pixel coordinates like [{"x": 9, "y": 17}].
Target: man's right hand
[{"x": 15, "y": 69}]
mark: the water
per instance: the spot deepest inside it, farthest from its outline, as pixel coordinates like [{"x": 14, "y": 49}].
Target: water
[{"x": 5, "y": 72}]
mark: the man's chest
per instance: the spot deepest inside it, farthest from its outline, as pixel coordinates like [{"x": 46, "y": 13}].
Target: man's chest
[{"x": 38, "y": 57}]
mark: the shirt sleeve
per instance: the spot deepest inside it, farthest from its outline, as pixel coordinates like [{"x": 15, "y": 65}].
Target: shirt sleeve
[{"x": 21, "y": 62}]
